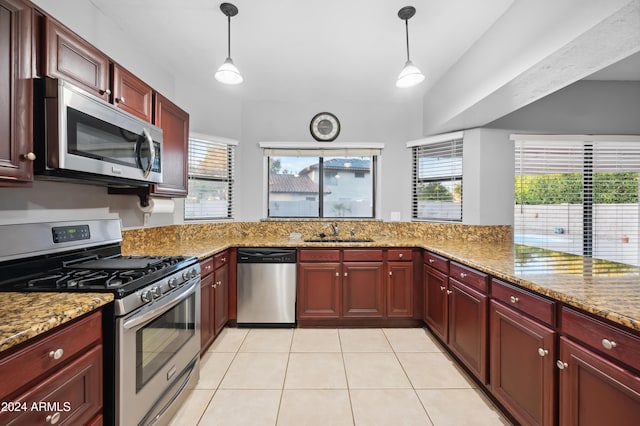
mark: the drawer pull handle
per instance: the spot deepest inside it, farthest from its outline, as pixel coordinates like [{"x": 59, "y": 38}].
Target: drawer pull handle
[
  {"x": 441, "y": 288},
  {"x": 542, "y": 352},
  {"x": 431, "y": 260},
  {"x": 561, "y": 364},
  {"x": 400, "y": 255},
  {"x": 608, "y": 344},
  {"x": 53, "y": 418},
  {"x": 463, "y": 275},
  {"x": 57, "y": 354},
  {"x": 514, "y": 299}
]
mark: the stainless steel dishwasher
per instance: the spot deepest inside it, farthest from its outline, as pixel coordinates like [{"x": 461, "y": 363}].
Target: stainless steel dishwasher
[{"x": 267, "y": 287}]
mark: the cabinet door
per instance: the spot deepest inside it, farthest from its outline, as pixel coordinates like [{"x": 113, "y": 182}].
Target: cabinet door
[
  {"x": 70, "y": 58},
  {"x": 16, "y": 94},
  {"x": 435, "y": 302},
  {"x": 468, "y": 331},
  {"x": 131, "y": 94},
  {"x": 522, "y": 365},
  {"x": 318, "y": 290},
  {"x": 174, "y": 123},
  {"x": 221, "y": 298},
  {"x": 594, "y": 391},
  {"x": 206, "y": 312},
  {"x": 74, "y": 392},
  {"x": 400, "y": 289},
  {"x": 362, "y": 290}
]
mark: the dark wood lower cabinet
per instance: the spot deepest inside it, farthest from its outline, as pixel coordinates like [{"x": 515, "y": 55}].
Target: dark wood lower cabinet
[
  {"x": 594, "y": 391},
  {"x": 522, "y": 365},
  {"x": 221, "y": 298},
  {"x": 206, "y": 309},
  {"x": 436, "y": 302},
  {"x": 363, "y": 290},
  {"x": 468, "y": 327},
  {"x": 399, "y": 290},
  {"x": 318, "y": 290}
]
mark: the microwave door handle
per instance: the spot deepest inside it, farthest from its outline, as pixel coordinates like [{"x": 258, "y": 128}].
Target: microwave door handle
[{"x": 152, "y": 152}]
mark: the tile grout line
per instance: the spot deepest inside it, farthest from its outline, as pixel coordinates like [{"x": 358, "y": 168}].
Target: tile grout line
[{"x": 346, "y": 378}]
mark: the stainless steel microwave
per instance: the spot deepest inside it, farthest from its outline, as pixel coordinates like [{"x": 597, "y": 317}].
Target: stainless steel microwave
[{"x": 79, "y": 136}]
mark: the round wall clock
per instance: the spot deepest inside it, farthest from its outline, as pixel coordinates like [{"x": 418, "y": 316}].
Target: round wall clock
[{"x": 324, "y": 127}]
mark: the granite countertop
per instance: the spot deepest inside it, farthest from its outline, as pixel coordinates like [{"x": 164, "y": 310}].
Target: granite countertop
[
  {"x": 27, "y": 315},
  {"x": 607, "y": 289}
]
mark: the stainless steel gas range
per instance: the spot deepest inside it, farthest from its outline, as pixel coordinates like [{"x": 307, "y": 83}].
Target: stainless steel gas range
[{"x": 151, "y": 332}]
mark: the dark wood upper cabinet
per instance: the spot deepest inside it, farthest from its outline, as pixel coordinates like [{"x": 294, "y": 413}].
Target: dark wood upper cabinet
[
  {"x": 16, "y": 94},
  {"x": 70, "y": 58},
  {"x": 132, "y": 94},
  {"x": 174, "y": 123}
]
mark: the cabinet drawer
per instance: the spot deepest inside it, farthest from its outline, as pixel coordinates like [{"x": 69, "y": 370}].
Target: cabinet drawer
[
  {"x": 220, "y": 259},
  {"x": 38, "y": 358},
  {"x": 206, "y": 266},
  {"x": 607, "y": 339},
  {"x": 73, "y": 395},
  {"x": 531, "y": 304},
  {"x": 331, "y": 255},
  {"x": 399, "y": 255},
  {"x": 469, "y": 276},
  {"x": 438, "y": 262},
  {"x": 355, "y": 255}
]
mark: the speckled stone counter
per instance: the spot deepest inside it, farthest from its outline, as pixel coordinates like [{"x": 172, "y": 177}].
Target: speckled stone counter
[
  {"x": 27, "y": 315},
  {"x": 606, "y": 289}
]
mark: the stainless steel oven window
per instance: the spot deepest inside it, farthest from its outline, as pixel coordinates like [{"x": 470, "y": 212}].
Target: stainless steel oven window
[{"x": 158, "y": 341}]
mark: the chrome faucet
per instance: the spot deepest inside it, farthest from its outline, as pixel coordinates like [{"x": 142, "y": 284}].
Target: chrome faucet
[{"x": 334, "y": 228}]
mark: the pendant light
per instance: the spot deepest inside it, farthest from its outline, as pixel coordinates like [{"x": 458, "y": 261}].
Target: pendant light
[
  {"x": 410, "y": 74},
  {"x": 228, "y": 73}
]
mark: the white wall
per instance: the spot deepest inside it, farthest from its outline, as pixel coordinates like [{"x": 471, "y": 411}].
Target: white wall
[
  {"x": 360, "y": 122},
  {"x": 488, "y": 163}
]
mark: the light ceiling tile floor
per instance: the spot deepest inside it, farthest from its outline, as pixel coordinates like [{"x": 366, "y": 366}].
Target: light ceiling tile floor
[{"x": 333, "y": 377}]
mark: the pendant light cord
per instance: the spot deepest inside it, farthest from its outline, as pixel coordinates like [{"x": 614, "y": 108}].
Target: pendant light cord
[
  {"x": 228, "y": 36},
  {"x": 406, "y": 25}
]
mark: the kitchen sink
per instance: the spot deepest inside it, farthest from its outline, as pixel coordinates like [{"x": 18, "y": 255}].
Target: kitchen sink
[{"x": 338, "y": 240}]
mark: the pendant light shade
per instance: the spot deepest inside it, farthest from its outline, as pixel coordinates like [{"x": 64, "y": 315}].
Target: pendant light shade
[
  {"x": 410, "y": 74},
  {"x": 228, "y": 73}
]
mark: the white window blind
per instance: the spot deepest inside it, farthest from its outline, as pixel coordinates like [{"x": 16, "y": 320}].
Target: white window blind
[
  {"x": 211, "y": 179},
  {"x": 578, "y": 196},
  {"x": 437, "y": 180}
]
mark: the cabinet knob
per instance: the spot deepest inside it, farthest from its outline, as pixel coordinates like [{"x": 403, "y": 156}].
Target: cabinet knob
[
  {"x": 345, "y": 274},
  {"x": 441, "y": 288},
  {"x": 53, "y": 418},
  {"x": 337, "y": 274},
  {"x": 224, "y": 259},
  {"x": 57, "y": 354},
  {"x": 542, "y": 352},
  {"x": 431, "y": 260},
  {"x": 608, "y": 344},
  {"x": 449, "y": 292},
  {"x": 463, "y": 275},
  {"x": 29, "y": 156},
  {"x": 514, "y": 299},
  {"x": 120, "y": 100},
  {"x": 390, "y": 273},
  {"x": 105, "y": 92},
  {"x": 561, "y": 364},
  {"x": 400, "y": 255}
]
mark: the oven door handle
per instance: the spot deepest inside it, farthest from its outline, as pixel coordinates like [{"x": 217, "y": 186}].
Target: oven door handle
[{"x": 176, "y": 298}]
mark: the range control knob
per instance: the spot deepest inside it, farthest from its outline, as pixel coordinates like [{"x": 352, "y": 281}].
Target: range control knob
[
  {"x": 173, "y": 282},
  {"x": 193, "y": 272},
  {"x": 155, "y": 291},
  {"x": 146, "y": 296},
  {"x": 185, "y": 275}
]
